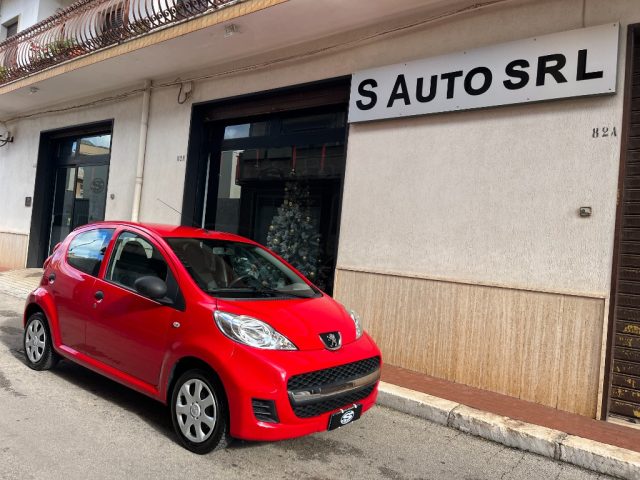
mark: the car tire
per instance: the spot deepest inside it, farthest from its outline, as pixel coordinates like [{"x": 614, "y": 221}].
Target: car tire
[
  {"x": 199, "y": 412},
  {"x": 37, "y": 343}
]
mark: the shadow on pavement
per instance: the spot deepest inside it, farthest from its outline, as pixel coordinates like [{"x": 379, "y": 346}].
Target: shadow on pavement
[
  {"x": 155, "y": 414},
  {"x": 152, "y": 412}
]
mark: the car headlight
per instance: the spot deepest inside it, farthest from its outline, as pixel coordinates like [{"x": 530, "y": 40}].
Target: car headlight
[
  {"x": 251, "y": 331},
  {"x": 356, "y": 320}
]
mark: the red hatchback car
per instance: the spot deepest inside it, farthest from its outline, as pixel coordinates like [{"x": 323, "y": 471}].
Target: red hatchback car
[{"x": 235, "y": 340}]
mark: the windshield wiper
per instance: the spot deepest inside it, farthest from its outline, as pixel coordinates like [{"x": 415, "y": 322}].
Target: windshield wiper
[
  {"x": 264, "y": 290},
  {"x": 275, "y": 291}
]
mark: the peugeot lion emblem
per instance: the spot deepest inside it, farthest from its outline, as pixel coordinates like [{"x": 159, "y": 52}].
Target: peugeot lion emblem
[{"x": 331, "y": 340}]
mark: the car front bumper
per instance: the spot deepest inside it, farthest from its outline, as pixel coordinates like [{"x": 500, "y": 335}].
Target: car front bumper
[{"x": 265, "y": 376}]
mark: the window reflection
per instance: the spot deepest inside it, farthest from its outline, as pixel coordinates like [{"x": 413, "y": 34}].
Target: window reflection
[
  {"x": 95, "y": 145},
  {"x": 246, "y": 130},
  {"x": 310, "y": 123},
  {"x": 280, "y": 163}
]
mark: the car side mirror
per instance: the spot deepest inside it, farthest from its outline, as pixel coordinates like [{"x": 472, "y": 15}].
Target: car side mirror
[{"x": 151, "y": 287}]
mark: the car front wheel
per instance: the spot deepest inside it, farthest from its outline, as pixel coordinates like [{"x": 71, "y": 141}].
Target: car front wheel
[
  {"x": 199, "y": 412},
  {"x": 38, "y": 348}
]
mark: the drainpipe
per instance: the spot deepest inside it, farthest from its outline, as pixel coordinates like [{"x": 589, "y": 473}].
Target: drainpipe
[{"x": 142, "y": 149}]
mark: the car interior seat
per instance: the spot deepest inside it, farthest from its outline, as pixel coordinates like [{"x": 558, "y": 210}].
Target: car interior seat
[{"x": 132, "y": 264}]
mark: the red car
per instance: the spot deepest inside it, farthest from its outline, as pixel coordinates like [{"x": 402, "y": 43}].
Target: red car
[{"x": 235, "y": 340}]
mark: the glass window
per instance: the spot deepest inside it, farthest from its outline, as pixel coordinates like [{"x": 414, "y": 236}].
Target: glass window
[
  {"x": 237, "y": 270},
  {"x": 312, "y": 123},
  {"x": 245, "y": 130},
  {"x": 95, "y": 145},
  {"x": 90, "y": 194},
  {"x": 86, "y": 250},
  {"x": 237, "y": 167},
  {"x": 134, "y": 257},
  {"x": 12, "y": 28},
  {"x": 228, "y": 205}
]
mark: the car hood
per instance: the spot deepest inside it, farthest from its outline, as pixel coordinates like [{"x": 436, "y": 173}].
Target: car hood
[{"x": 300, "y": 320}]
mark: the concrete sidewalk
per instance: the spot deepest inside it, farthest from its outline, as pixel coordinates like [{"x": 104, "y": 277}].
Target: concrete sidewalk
[
  {"x": 598, "y": 446},
  {"x": 583, "y": 452},
  {"x": 20, "y": 282}
]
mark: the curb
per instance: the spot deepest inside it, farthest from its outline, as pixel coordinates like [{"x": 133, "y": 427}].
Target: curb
[{"x": 585, "y": 453}]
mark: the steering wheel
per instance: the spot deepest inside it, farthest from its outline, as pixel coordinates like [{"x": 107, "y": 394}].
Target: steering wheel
[{"x": 238, "y": 280}]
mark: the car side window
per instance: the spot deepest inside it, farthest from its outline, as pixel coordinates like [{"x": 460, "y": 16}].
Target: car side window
[
  {"x": 134, "y": 257},
  {"x": 87, "y": 249}
]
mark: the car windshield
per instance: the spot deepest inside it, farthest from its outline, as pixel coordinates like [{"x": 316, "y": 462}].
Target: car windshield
[{"x": 238, "y": 270}]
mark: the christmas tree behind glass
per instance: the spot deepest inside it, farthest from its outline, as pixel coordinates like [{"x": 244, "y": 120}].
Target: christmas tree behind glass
[{"x": 293, "y": 233}]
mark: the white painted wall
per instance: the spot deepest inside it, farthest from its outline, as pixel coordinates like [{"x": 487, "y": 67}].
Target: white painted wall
[
  {"x": 167, "y": 138},
  {"x": 47, "y": 8},
  {"x": 25, "y": 10},
  {"x": 30, "y": 12},
  {"x": 18, "y": 160}
]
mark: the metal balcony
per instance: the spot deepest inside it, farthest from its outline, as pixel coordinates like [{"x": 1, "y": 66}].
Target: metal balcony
[{"x": 91, "y": 25}]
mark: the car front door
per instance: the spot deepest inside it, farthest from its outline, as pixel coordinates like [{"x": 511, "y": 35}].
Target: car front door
[{"x": 129, "y": 331}]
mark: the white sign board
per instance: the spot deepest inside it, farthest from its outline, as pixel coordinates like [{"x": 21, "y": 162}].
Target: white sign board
[{"x": 561, "y": 65}]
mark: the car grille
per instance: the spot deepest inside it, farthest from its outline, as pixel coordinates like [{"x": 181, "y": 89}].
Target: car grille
[
  {"x": 315, "y": 409},
  {"x": 329, "y": 376}
]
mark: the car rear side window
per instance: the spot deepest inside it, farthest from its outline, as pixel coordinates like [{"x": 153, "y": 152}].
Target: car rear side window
[
  {"x": 86, "y": 250},
  {"x": 134, "y": 257}
]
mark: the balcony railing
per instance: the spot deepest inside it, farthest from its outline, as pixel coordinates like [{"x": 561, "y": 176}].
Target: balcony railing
[{"x": 90, "y": 25}]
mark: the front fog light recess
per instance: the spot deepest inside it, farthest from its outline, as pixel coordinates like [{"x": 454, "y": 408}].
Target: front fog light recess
[{"x": 251, "y": 331}]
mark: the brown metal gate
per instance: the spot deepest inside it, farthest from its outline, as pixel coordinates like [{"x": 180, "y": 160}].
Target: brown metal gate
[{"x": 624, "y": 356}]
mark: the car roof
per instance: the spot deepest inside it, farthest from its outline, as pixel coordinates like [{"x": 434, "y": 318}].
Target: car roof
[{"x": 174, "y": 231}]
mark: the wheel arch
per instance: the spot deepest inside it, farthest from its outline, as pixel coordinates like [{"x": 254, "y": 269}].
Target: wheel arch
[
  {"x": 187, "y": 363},
  {"x": 40, "y": 301},
  {"x": 32, "y": 308}
]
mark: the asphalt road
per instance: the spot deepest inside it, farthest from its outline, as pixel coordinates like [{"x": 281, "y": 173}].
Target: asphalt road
[{"x": 71, "y": 423}]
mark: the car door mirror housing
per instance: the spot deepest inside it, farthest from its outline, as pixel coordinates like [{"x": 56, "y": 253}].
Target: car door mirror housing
[{"x": 151, "y": 287}]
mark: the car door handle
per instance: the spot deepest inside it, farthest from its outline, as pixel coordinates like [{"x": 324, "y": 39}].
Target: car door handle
[{"x": 99, "y": 295}]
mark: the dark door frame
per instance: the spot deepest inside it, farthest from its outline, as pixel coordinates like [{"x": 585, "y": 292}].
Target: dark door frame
[
  {"x": 45, "y": 183},
  {"x": 633, "y": 46}
]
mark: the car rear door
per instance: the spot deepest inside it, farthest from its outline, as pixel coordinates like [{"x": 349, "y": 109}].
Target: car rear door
[
  {"x": 129, "y": 331},
  {"x": 71, "y": 282}
]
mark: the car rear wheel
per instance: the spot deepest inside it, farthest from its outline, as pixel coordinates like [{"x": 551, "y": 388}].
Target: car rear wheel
[
  {"x": 38, "y": 349},
  {"x": 199, "y": 412}
]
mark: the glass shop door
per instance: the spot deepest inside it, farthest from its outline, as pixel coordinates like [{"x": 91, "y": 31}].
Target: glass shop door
[
  {"x": 80, "y": 192},
  {"x": 277, "y": 179}
]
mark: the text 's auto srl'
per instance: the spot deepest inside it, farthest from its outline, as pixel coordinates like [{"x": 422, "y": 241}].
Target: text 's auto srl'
[{"x": 581, "y": 62}]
